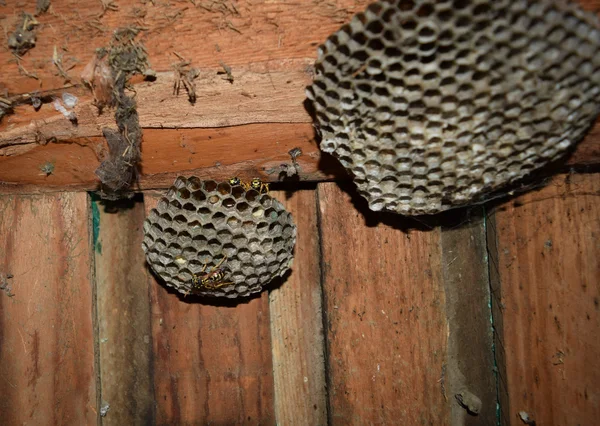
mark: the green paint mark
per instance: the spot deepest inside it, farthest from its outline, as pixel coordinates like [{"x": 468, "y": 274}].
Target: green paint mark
[
  {"x": 493, "y": 325},
  {"x": 96, "y": 224}
]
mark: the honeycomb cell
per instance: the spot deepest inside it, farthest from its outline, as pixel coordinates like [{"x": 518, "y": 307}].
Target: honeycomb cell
[
  {"x": 496, "y": 85},
  {"x": 199, "y": 236},
  {"x": 228, "y": 203}
]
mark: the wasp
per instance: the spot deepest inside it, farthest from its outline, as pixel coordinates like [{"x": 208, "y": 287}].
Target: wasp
[
  {"x": 212, "y": 280},
  {"x": 256, "y": 184},
  {"x": 259, "y": 186}
]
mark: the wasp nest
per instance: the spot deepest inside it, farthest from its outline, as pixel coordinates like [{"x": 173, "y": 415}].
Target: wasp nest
[
  {"x": 215, "y": 239},
  {"x": 434, "y": 104}
]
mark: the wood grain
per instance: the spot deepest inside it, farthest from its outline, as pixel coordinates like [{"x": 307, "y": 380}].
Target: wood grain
[
  {"x": 497, "y": 320},
  {"x": 47, "y": 370},
  {"x": 123, "y": 311},
  {"x": 206, "y": 32},
  {"x": 256, "y": 97},
  {"x": 470, "y": 366},
  {"x": 245, "y": 151},
  {"x": 297, "y": 323},
  {"x": 548, "y": 269},
  {"x": 270, "y": 48},
  {"x": 386, "y": 321},
  {"x": 212, "y": 362}
]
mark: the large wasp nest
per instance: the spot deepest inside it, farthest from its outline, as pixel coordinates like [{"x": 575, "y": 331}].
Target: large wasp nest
[
  {"x": 215, "y": 239},
  {"x": 435, "y": 104}
]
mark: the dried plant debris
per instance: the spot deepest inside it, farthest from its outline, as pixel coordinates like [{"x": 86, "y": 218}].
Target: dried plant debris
[
  {"x": 126, "y": 57},
  {"x": 226, "y": 71},
  {"x": 24, "y": 37},
  {"x": 70, "y": 115},
  {"x": 185, "y": 76},
  {"x": 47, "y": 168},
  {"x": 57, "y": 60},
  {"x": 98, "y": 77},
  {"x": 108, "y": 6},
  {"x": 469, "y": 401},
  {"x": 4, "y": 285},
  {"x": 36, "y": 102},
  {"x": 118, "y": 171},
  {"x": 6, "y": 107},
  {"x": 291, "y": 170},
  {"x": 42, "y": 7},
  {"x": 69, "y": 100},
  {"x": 149, "y": 75}
]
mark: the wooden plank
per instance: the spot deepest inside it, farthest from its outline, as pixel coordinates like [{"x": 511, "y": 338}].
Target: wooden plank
[
  {"x": 297, "y": 323},
  {"x": 386, "y": 321},
  {"x": 497, "y": 320},
  {"x": 123, "y": 309},
  {"x": 47, "y": 370},
  {"x": 548, "y": 268},
  {"x": 271, "y": 62},
  {"x": 220, "y": 104},
  {"x": 470, "y": 367},
  {"x": 236, "y": 33},
  {"x": 246, "y": 151},
  {"x": 212, "y": 359}
]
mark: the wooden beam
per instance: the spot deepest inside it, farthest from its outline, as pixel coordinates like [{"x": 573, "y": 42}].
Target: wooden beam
[
  {"x": 207, "y": 33},
  {"x": 297, "y": 323},
  {"x": 470, "y": 367},
  {"x": 219, "y": 154},
  {"x": 386, "y": 322},
  {"x": 212, "y": 359},
  {"x": 548, "y": 269},
  {"x": 47, "y": 366},
  {"x": 123, "y": 310},
  {"x": 270, "y": 57}
]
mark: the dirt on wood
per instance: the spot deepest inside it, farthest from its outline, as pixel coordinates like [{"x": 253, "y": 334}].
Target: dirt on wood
[{"x": 125, "y": 57}]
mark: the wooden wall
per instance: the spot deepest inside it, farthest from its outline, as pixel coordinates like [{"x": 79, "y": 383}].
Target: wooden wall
[{"x": 382, "y": 321}]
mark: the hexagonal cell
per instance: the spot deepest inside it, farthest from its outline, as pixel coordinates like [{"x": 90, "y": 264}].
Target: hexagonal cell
[
  {"x": 218, "y": 218},
  {"x": 224, "y": 236},
  {"x": 209, "y": 185},
  {"x": 258, "y": 212},
  {"x": 183, "y": 193},
  {"x": 251, "y": 195},
  {"x": 209, "y": 230},
  {"x": 233, "y": 222},
  {"x": 266, "y": 201},
  {"x": 198, "y": 196},
  {"x": 248, "y": 226},
  {"x": 242, "y": 207},
  {"x": 224, "y": 188},
  {"x": 180, "y": 182},
  {"x": 170, "y": 233},
  {"x": 237, "y": 192},
  {"x": 271, "y": 214},
  {"x": 194, "y": 184},
  {"x": 240, "y": 240},
  {"x": 229, "y": 250},
  {"x": 228, "y": 203},
  {"x": 244, "y": 254}
]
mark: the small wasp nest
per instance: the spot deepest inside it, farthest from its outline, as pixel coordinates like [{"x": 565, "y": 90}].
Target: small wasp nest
[
  {"x": 435, "y": 104},
  {"x": 215, "y": 239}
]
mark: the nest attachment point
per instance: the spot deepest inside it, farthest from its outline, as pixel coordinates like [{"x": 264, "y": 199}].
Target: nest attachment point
[
  {"x": 218, "y": 239},
  {"x": 436, "y": 104}
]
